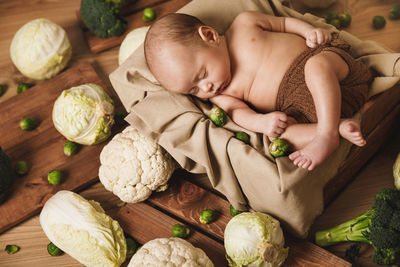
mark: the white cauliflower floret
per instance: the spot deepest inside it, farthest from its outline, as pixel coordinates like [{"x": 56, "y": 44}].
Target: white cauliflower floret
[
  {"x": 171, "y": 252},
  {"x": 133, "y": 166}
]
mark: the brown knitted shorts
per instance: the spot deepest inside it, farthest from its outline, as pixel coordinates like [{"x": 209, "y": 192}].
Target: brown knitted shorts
[{"x": 295, "y": 99}]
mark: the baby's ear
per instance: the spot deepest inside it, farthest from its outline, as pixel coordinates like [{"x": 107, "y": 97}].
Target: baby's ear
[{"x": 208, "y": 34}]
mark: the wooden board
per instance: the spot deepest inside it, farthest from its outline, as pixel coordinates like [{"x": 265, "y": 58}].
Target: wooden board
[
  {"x": 184, "y": 201},
  {"x": 133, "y": 16},
  {"x": 42, "y": 147}
]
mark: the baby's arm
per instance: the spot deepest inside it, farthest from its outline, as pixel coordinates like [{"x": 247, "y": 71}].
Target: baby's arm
[
  {"x": 272, "y": 124},
  {"x": 314, "y": 36}
]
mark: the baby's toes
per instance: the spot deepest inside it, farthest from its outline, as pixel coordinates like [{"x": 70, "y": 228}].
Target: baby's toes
[{"x": 294, "y": 155}]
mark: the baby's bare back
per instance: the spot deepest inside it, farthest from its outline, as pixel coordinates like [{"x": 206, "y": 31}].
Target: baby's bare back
[{"x": 259, "y": 61}]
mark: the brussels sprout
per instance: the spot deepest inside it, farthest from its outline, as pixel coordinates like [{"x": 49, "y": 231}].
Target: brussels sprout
[
  {"x": 53, "y": 250},
  {"x": 162, "y": 188},
  {"x": 148, "y": 14},
  {"x": 345, "y": 20},
  {"x": 179, "y": 230},
  {"x": 70, "y": 148},
  {"x": 121, "y": 204},
  {"x": 40, "y": 49},
  {"x": 21, "y": 167},
  {"x": 2, "y": 89},
  {"x": 332, "y": 14},
  {"x": 278, "y": 147},
  {"x": 131, "y": 246},
  {"x": 28, "y": 124},
  {"x": 11, "y": 249},
  {"x": 336, "y": 23},
  {"x": 207, "y": 216},
  {"x": 395, "y": 12},
  {"x": 234, "y": 211},
  {"x": 242, "y": 136},
  {"x": 22, "y": 87},
  {"x": 54, "y": 177},
  {"x": 218, "y": 116},
  {"x": 84, "y": 114},
  {"x": 396, "y": 172},
  {"x": 378, "y": 22}
]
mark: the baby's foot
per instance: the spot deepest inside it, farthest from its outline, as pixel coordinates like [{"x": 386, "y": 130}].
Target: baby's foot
[
  {"x": 315, "y": 152},
  {"x": 350, "y": 130}
]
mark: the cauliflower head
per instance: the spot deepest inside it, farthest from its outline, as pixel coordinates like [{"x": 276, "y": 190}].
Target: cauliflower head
[
  {"x": 172, "y": 252},
  {"x": 133, "y": 166}
]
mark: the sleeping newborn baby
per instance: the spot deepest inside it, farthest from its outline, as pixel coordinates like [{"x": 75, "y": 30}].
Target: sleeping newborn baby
[{"x": 273, "y": 75}]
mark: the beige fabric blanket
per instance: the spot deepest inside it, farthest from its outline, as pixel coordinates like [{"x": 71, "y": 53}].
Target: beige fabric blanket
[{"x": 246, "y": 174}]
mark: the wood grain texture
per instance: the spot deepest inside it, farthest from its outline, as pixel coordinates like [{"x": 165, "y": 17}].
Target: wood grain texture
[
  {"x": 42, "y": 147},
  {"x": 134, "y": 20},
  {"x": 145, "y": 223},
  {"x": 186, "y": 200}
]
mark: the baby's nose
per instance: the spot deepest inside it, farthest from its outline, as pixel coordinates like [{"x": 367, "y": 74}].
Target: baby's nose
[{"x": 207, "y": 86}]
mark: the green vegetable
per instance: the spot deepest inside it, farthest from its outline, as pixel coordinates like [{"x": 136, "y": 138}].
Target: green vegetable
[
  {"x": 21, "y": 167},
  {"x": 6, "y": 175},
  {"x": 148, "y": 14},
  {"x": 332, "y": 14},
  {"x": 162, "y": 188},
  {"x": 336, "y": 23},
  {"x": 2, "y": 89},
  {"x": 28, "y": 124},
  {"x": 40, "y": 49},
  {"x": 54, "y": 177},
  {"x": 207, "y": 216},
  {"x": 11, "y": 249},
  {"x": 131, "y": 246},
  {"x": 83, "y": 230},
  {"x": 395, "y": 12},
  {"x": 117, "y": 5},
  {"x": 378, "y": 22},
  {"x": 102, "y": 17},
  {"x": 278, "y": 147},
  {"x": 234, "y": 211},
  {"x": 70, "y": 148},
  {"x": 121, "y": 204},
  {"x": 353, "y": 251},
  {"x": 345, "y": 20},
  {"x": 53, "y": 250},
  {"x": 22, "y": 87},
  {"x": 254, "y": 239},
  {"x": 396, "y": 172},
  {"x": 242, "y": 136},
  {"x": 218, "y": 116},
  {"x": 379, "y": 227},
  {"x": 84, "y": 114},
  {"x": 179, "y": 230}
]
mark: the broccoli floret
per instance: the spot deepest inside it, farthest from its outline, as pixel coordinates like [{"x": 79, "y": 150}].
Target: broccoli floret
[
  {"x": 379, "y": 227},
  {"x": 102, "y": 18}
]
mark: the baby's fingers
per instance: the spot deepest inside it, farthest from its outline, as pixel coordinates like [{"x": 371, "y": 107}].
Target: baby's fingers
[{"x": 282, "y": 125}]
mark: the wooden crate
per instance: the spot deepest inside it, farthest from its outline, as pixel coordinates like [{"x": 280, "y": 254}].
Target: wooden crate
[{"x": 182, "y": 203}]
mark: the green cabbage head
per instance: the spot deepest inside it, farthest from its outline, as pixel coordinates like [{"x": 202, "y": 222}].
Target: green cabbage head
[
  {"x": 40, "y": 49},
  {"x": 84, "y": 114},
  {"x": 254, "y": 239},
  {"x": 81, "y": 229}
]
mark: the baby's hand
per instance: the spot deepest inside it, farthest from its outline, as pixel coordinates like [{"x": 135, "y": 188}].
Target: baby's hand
[
  {"x": 317, "y": 37},
  {"x": 274, "y": 123}
]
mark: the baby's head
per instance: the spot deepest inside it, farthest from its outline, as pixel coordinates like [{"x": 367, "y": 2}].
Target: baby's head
[{"x": 186, "y": 56}]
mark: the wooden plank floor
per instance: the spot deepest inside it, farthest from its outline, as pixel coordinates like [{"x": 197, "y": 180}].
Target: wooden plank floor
[{"x": 355, "y": 198}]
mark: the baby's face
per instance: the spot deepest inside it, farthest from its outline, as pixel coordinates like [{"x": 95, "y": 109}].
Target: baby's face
[{"x": 202, "y": 71}]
